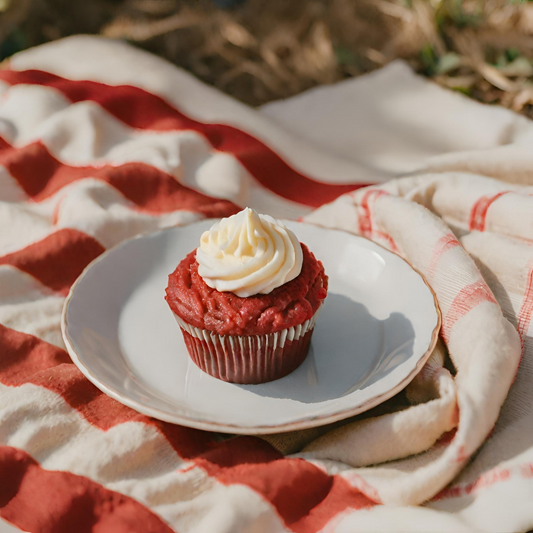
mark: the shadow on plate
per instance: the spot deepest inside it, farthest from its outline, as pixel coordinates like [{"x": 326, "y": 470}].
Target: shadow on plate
[{"x": 350, "y": 350}]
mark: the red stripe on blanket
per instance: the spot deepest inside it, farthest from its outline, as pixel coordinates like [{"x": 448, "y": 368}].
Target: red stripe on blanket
[
  {"x": 142, "y": 110},
  {"x": 468, "y": 298},
  {"x": 387, "y": 238},
  {"x": 526, "y": 471},
  {"x": 526, "y": 309},
  {"x": 41, "y": 175},
  {"x": 35, "y": 499},
  {"x": 487, "y": 479},
  {"x": 478, "y": 214},
  {"x": 341, "y": 496},
  {"x": 305, "y": 496},
  {"x": 444, "y": 244},
  {"x": 365, "y": 214},
  {"x": 27, "y": 359},
  {"x": 57, "y": 260},
  {"x": 447, "y": 438},
  {"x": 366, "y": 227}
]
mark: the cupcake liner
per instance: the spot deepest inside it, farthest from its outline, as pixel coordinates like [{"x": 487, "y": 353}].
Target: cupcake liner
[{"x": 248, "y": 359}]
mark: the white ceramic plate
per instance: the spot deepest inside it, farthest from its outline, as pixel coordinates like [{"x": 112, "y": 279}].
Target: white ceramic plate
[{"x": 377, "y": 328}]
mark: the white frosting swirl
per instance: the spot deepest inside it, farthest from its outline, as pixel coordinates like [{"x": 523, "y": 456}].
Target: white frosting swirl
[{"x": 248, "y": 254}]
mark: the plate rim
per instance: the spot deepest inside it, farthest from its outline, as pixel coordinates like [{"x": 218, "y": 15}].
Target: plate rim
[{"x": 302, "y": 423}]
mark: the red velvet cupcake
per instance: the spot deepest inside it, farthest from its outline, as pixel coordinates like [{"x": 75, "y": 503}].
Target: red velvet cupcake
[{"x": 247, "y": 299}]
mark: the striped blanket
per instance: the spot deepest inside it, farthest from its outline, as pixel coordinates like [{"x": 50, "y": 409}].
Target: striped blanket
[{"x": 100, "y": 141}]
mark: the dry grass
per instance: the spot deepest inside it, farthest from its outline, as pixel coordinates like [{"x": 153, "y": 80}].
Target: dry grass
[{"x": 269, "y": 49}]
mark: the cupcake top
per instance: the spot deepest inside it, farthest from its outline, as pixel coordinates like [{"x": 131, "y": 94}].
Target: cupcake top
[
  {"x": 250, "y": 276},
  {"x": 248, "y": 254}
]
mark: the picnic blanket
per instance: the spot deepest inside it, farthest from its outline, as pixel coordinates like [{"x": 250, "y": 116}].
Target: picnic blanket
[{"x": 101, "y": 141}]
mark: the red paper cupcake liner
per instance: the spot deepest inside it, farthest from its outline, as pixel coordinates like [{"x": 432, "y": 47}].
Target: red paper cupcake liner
[{"x": 248, "y": 359}]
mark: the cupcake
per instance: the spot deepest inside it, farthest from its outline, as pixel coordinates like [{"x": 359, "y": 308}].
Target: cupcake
[{"x": 247, "y": 299}]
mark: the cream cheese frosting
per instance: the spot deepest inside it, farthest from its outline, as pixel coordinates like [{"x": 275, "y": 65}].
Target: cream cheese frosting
[{"x": 248, "y": 254}]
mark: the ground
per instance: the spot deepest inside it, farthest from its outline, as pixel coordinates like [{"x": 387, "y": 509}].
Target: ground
[{"x": 262, "y": 50}]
